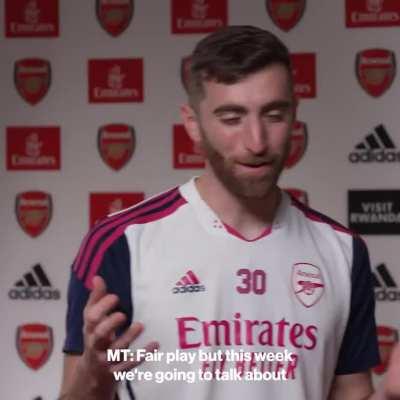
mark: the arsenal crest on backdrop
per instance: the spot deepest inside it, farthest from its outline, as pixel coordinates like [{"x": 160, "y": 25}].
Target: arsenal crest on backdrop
[
  {"x": 34, "y": 344},
  {"x": 285, "y": 13},
  {"x": 376, "y": 69},
  {"x": 32, "y": 77},
  {"x": 116, "y": 144},
  {"x": 34, "y": 210},
  {"x": 114, "y": 15}
]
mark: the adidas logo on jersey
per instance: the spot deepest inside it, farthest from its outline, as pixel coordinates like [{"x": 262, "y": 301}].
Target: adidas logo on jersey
[
  {"x": 34, "y": 285},
  {"x": 385, "y": 287},
  {"x": 377, "y": 147},
  {"x": 189, "y": 283}
]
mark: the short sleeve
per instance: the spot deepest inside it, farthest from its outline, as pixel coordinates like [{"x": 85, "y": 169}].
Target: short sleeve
[
  {"x": 113, "y": 265},
  {"x": 359, "y": 349}
]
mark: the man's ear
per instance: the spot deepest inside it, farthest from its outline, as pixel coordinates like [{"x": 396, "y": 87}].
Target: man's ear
[
  {"x": 295, "y": 107},
  {"x": 190, "y": 121}
]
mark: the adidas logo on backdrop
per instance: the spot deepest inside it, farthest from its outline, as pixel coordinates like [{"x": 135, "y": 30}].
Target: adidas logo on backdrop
[
  {"x": 189, "y": 283},
  {"x": 386, "y": 288},
  {"x": 376, "y": 147},
  {"x": 34, "y": 285}
]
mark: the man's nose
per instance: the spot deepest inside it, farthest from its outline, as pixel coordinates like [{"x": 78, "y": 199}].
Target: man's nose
[{"x": 255, "y": 137}]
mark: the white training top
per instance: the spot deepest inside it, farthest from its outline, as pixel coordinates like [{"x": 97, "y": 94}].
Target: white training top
[{"x": 304, "y": 287}]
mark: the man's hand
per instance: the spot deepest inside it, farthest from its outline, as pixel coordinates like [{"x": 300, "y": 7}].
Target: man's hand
[
  {"x": 392, "y": 379},
  {"x": 93, "y": 377}
]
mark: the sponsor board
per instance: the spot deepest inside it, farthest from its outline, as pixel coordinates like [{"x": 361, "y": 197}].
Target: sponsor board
[
  {"x": 118, "y": 80},
  {"x": 375, "y": 70},
  {"x": 32, "y": 78},
  {"x": 377, "y": 147},
  {"x": 285, "y": 14},
  {"x": 103, "y": 204},
  {"x": 31, "y": 18},
  {"x": 33, "y": 148},
  {"x": 34, "y": 343},
  {"x": 186, "y": 155},
  {"x": 304, "y": 74},
  {"x": 114, "y": 16},
  {"x": 116, "y": 144},
  {"x": 374, "y": 212},
  {"x": 298, "y": 144},
  {"x": 33, "y": 210},
  {"x": 198, "y": 16},
  {"x": 372, "y": 13}
]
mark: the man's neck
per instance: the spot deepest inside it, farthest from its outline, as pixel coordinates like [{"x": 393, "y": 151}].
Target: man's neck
[{"x": 249, "y": 216}]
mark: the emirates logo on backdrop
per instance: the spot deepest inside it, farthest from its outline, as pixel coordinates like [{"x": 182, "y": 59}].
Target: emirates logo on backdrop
[
  {"x": 32, "y": 77},
  {"x": 285, "y": 13},
  {"x": 372, "y": 13},
  {"x": 34, "y": 211},
  {"x": 116, "y": 144},
  {"x": 298, "y": 144},
  {"x": 186, "y": 155},
  {"x": 304, "y": 74},
  {"x": 116, "y": 80},
  {"x": 31, "y": 18},
  {"x": 114, "y": 15},
  {"x": 376, "y": 70},
  {"x": 103, "y": 204},
  {"x": 387, "y": 339},
  {"x": 198, "y": 16},
  {"x": 33, "y": 148}
]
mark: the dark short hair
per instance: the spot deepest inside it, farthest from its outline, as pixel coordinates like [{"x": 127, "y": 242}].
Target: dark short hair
[{"x": 232, "y": 53}]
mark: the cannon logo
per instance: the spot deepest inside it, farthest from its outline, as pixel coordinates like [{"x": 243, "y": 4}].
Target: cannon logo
[
  {"x": 31, "y": 18},
  {"x": 198, "y": 16},
  {"x": 116, "y": 144},
  {"x": 387, "y": 339},
  {"x": 34, "y": 344},
  {"x": 304, "y": 72},
  {"x": 114, "y": 15},
  {"x": 375, "y": 69},
  {"x": 298, "y": 144},
  {"x": 186, "y": 154},
  {"x": 307, "y": 283},
  {"x": 285, "y": 13},
  {"x": 32, "y": 77},
  {"x": 33, "y": 210},
  {"x": 369, "y": 13}
]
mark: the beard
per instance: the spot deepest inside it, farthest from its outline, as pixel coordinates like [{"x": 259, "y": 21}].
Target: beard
[{"x": 240, "y": 185}]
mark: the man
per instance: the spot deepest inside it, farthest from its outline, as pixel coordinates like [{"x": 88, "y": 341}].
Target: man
[{"x": 227, "y": 261}]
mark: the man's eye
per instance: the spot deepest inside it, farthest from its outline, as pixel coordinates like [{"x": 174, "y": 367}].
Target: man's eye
[
  {"x": 276, "y": 116},
  {"x": 230, "y": 120}
]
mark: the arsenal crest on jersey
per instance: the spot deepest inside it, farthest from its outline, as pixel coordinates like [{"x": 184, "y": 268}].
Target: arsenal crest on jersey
[
  {"x": 298, "y": 144},
  {"x": 185, "y": 71},
  {"x": 34, "y": 344},
  {"x": 116, "y": 144},
  {"x": 387, "y": 339},
  {"x": 33, "y": 210},
  {"x": 114, "y": 15},
  {"x": 375, "y": 69},
  {"x": 285, "y": 13},
  {"x": 307, "y": 283},
  {"x": 32, "y": 77}
]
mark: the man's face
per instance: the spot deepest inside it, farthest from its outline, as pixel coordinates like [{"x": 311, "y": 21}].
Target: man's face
[{"x": 244, "y": 130}]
